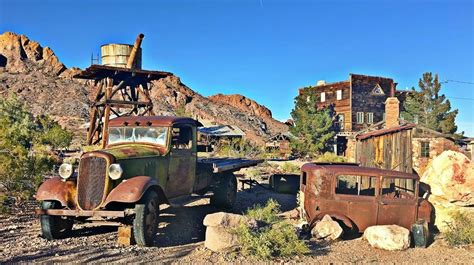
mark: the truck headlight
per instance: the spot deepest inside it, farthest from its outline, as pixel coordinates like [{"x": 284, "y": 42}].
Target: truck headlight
[
  {"x": 115, "y": 171},
  {"x": 65, "y": 171}
]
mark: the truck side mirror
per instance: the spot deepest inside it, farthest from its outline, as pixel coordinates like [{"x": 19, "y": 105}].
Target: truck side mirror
[{"x": 426, "y": 195}]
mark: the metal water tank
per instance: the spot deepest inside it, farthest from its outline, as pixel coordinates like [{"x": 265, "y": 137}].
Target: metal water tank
[{"x": 117, "y": 55}]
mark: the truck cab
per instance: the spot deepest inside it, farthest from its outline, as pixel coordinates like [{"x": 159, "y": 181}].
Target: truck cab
[{"x": 147, "y": 161}]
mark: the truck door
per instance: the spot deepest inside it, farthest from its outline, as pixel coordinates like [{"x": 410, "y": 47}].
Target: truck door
[
  {"x": 398, "y": 202},
  {"x": 182, "y": 165}
]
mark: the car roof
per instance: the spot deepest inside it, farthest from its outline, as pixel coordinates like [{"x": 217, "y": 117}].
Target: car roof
[
  {"x": 354, "y": 169},
  {"x": 164, "y": 121}
]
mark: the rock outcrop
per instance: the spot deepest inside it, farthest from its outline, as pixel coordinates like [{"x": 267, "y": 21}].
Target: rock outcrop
[
  {"x": 388, "y": 237},
  {"x": 219, "y": 234},
  {"x": 37, "y": 76},
  {"x": 451, "y": 179},
  {"x": 327, "y": 228}
]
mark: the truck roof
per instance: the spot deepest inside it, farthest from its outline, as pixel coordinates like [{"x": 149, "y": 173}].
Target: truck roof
[
  {"x": 354, "y": 169},
  {"x": 164, "y": 121}
]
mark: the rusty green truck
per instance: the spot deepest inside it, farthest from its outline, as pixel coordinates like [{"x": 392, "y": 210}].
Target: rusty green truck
[{"x": 148, "y": 161}]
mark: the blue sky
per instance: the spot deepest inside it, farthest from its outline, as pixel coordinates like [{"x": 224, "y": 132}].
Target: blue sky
[{"x": 264, "y": 49}]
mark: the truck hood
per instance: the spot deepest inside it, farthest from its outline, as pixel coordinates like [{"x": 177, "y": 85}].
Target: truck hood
[{"x": 128, "y": 151}]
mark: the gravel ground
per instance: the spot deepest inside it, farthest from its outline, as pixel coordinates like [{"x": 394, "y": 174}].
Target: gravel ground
[{"x": 181, "y": 236}]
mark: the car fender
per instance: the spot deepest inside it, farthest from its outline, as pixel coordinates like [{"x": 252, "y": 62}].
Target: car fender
[
  {"x": 132, "y": 190},
  {"x": 335, "y": 215},
  {"x": 56, "y": 189}
]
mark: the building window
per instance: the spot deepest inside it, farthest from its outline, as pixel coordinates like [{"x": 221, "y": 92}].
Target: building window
[
  {"x": 377, "y": 91},
  {"x": 425, "y": 149},
  {"x": 339, "y": 94},
  {"x": 370, "y": 117},
  {"x": 323, "y": 97},
  {"x": 360, "y": 117}
]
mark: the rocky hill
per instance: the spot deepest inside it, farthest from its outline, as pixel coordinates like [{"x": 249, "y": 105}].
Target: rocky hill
[{"x": 36, "y": 75}]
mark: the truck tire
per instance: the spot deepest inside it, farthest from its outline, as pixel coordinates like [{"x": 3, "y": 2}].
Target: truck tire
[
  {"x": 145, "y": 223},
  {"x": 54, "y": 227},
  {"x": 225, "y": 192}
]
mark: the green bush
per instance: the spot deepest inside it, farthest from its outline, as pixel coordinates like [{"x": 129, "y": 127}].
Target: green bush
[
  {"x": 330, "y": 157},
  {"x": 26, "y": 147},
  {"x": 237, "y": 148},
  {"x": 273, "y": 237},
  {"x": 460, "y": 231},
  {"x": 288, "y": 167}
]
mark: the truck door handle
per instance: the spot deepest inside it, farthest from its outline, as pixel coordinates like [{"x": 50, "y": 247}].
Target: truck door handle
[{"x": 383, "y": 203}]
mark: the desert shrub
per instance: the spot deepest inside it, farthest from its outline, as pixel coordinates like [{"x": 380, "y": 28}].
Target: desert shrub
[
  {"x": 26, "y": 147},
  {"x": 289, "y": 168},
  {"x": 238, "y": 148},
  {"x": 272, "y": 237},
  {"x": 460, "y": 230},
  {"x": 330, "y": 157}
]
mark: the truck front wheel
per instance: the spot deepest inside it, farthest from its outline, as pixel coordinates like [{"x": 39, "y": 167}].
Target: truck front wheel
[
  {"x": 225, "y": 192},
  {"x": 145, "y": 223},
  {"x": 54, "y": 227}
]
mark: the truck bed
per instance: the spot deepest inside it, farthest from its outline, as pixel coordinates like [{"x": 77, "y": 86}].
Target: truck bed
[{"x": 218, "y": 165}]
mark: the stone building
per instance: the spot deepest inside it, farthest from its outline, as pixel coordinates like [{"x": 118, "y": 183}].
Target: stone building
[{"x": 358, "y": 102}]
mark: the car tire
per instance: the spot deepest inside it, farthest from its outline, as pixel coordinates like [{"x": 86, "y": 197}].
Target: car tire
[
  {"x": 54, "y": 227},
  {"x": 225, "y": 192},
  {"x": 145, "y": 223}
]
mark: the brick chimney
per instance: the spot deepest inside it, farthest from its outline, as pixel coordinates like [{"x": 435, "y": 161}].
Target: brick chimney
[{"x": 392, "y": 109}]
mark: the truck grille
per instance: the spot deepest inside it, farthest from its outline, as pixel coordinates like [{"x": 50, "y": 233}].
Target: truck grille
[{"x": 91, "y": 182}]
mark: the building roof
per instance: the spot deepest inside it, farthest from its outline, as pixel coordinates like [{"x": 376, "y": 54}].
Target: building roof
[
  {"x": 97, "y": 71},
  {"x": 165, "y": 121},
  {"x": 281, "y": 136},
  {"x": 222, "y": 131},
  {"x": 380, "y": 132}
]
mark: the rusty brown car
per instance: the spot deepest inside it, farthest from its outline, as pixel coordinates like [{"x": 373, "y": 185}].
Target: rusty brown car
[
  {"x": 359, "y": 197},
  {"x": 148, "y": 161}
]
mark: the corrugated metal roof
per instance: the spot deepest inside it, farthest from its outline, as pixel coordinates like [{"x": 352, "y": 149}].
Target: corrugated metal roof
[{"x": 222, "y": 130}]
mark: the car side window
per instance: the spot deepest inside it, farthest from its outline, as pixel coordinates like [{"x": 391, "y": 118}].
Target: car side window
[
  {"x": 398, "y": 188},
  {"x": 356, "y": 185},
  {"x": 182, "y": 138}
]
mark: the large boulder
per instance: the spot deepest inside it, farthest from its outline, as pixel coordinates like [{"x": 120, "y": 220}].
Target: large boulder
[
  {"x": 219, "y": 234},
  {"x": 327, "y": 229},
  {"x": 388, "y": 237},
  {"x": 451, "y": 179}
]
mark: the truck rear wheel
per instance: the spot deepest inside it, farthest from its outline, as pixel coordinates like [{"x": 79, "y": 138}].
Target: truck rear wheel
[
  {"x": 145, "y": 223},
  {"x": 225, "y": 192},
  {"x": 54, "y": 227}
]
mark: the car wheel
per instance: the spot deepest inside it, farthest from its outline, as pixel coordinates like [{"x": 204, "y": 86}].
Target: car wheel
[
  {"x": 54, "y": 227},
  {"x": 225, "y": 192},
  {"x": 145, "y": 223}
]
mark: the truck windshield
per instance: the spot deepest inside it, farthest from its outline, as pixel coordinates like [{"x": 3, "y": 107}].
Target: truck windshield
[{"x": 153, "y": 135}]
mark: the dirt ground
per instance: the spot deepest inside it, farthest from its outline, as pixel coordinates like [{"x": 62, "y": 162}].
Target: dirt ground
[{"x": 181, "y": 236}]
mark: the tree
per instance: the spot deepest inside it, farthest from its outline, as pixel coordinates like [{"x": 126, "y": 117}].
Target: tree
[
  {"x": 313, "y": 127},
  {"x": 428, "y": 108},
  {"x": 25, "y": 146}
]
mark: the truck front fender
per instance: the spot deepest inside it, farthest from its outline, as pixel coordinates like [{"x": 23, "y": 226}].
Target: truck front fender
[
  {"x": 132, "y": 190},
  {"x": 56, "y": 189}
]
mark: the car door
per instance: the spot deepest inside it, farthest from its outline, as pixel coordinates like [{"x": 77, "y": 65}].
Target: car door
[
  {"x": 398, "y": 202},
  {"x": 182, "y": 163},
  {"x": 357, "y": 199}
]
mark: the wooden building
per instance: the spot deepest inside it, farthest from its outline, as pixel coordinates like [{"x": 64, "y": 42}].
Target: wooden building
[
  {"x": 280, "y": 143},
  {"x": 358, "y": 103}
]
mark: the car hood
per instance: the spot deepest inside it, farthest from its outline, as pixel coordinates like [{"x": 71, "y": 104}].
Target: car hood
[{"x": 128, "y": 151}]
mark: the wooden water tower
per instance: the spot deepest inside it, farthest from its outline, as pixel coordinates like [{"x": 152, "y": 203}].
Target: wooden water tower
[{"x": 118, "y": 89}]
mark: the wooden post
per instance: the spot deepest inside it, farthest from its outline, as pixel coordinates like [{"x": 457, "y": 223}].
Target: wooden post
[
  {"x": 125, "y": 235},
  {"x": 108, "y": 96}
]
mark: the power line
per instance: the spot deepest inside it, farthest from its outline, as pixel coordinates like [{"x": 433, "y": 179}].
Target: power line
[
  {"x": 461, "y": 98},
  {"x": 456, "y": 81}
]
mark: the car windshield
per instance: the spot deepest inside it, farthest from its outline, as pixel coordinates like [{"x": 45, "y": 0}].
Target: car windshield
[{"x": 153, "y": 135}]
